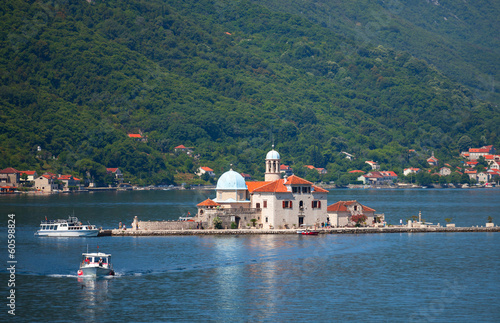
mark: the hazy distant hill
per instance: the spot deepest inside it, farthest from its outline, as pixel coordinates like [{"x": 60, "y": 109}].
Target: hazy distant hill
[{"x": 227, "y": 78}]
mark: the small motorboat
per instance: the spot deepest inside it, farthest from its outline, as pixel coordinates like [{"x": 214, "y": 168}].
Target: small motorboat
[
  {"x": 308, "y": 232},
  {"x": 66, "y": 228},
  {"x": 96, "y": 264}
]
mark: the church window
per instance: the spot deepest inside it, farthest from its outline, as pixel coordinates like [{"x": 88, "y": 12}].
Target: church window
[
  {"x": 287, "y": 204},
  {"x": 257, "y": 205},
  {"x": 294, "y": 189},
  {"x": 316, "y": 204},
  {"x": 267, "y": 219},
  {"x": 265, "y": 203}
]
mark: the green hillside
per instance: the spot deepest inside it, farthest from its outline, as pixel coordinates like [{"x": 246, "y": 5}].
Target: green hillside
[
  {"x": 458, "y": 37},
  {"x": 226, "y": 78}
]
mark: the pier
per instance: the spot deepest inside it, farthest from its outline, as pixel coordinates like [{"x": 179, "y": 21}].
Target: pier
[{"x": 360, "y": 230}]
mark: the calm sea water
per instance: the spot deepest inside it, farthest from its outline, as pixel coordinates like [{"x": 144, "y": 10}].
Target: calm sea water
[{"x": 430, "y": 277}]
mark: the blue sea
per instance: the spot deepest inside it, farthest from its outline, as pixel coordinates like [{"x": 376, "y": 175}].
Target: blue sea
[{"x": 423, "y": 277}]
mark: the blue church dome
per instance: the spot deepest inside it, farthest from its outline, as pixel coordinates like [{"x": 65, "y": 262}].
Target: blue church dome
[
  {"x": 231, "y": 180},
  {"x": 273, "y": 154}
]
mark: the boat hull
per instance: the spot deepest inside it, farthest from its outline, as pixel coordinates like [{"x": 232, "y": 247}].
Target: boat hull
[
  {"x": 95, "y": 272},
  {"x": 67, "y": 233}
]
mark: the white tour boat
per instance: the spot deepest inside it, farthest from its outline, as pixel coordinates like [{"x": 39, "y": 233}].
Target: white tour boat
[
  {"x": 96, "y": 264},
  {"x": 66, "y": 228}
]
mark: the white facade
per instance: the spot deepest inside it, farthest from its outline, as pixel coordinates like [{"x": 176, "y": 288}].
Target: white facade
[
  {"x": 275, "y": 203},
  {"x": 285, "y": 207}
]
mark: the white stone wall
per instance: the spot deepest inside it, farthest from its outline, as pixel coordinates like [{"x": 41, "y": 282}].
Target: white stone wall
[{"x": 278, "y": 216}]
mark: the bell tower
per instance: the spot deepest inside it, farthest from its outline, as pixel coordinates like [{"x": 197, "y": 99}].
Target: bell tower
[{"x": 272, "y": 166}]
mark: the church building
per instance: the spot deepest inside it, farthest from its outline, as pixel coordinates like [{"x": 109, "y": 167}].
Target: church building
[{"x": 275, "y": 203}]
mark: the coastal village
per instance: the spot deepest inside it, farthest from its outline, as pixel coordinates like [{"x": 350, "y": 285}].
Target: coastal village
[
  {"x": 282, "y": 200},
  {"x": 479, "y": 167}
]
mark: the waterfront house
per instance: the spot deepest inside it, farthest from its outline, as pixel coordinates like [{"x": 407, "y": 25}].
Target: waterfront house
[
  {"x": 472, "y": 173},
  {"x": 340, "y": 213},
  {"x": 29, "y": 174},
  {"x": 483, "y": 177},
  {"x": 378, "y": 178},
  {"x": 69, "y": 182},
  {"x": 9, "y": 177},
  {"x": 46, "y": 183},
  {"x": 117, "y": 173}
]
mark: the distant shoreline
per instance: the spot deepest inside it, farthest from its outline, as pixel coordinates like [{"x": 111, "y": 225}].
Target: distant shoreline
[
  {"x": 212, "y": 187},
  {"x": 368, "y": 230}
]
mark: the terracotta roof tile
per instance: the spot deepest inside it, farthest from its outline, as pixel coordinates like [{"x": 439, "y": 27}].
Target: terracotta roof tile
[
  {"x": 9, "y": 170},
  {"x": 208, "y": 202},
  {"x": 295, "y": 180}
]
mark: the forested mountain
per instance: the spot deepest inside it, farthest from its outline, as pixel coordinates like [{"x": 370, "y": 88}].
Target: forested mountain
[
  {"x": 458, "y": 37},
  {"x": 227, "y": 78}
]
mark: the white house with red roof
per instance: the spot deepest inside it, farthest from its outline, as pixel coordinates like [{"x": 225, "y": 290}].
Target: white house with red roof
[
  {"x": 183, "y": 149},
  {"x": 30, "y": 175},
  {"x": 378, "y": 177},
  {"x": 204, "y": 169},
  {"x": 411, "y": 170},
  {"x": 475, "y": 153},
  {"x": 374, "y": 165},
  {"x": 286, "y": 170},
  {"x": 69, "y": 182},
  {"x": 116, "y": 172},
  {"x": 433, "y": 161},
  {"x": 320, "y": 170},
  {"x": 274, "y": 203},
  {"x": 341, "y": 212}
]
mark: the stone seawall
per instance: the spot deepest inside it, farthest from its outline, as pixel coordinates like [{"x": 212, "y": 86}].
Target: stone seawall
[{"x": 130, "y": 232}]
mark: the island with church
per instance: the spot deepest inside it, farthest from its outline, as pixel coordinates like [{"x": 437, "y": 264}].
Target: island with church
[{"x": 278, "y": 205}]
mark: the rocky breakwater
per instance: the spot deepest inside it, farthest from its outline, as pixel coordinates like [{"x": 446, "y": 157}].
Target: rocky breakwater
[{"x": 365, "y": 230}]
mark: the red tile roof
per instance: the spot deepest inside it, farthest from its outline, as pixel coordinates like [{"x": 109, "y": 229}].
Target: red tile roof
[
  {"x": 111, "y": 170},
  {"x": 479, "y": 150},
  {"x": 9, "y": 170},
  {"x": 65, "y": 177},
  {"x": 180, "y": 147},
  {"x": 134, "y": 135},
  {"x": 27, "y": 172},
  {"x": 356, "y": 171},
  {"x": 295, "y": 180},
  {"x": 341, "y": 206},
  {"x": 208, "y": 202},
  {"x": 318, "y": 189},
  {"x": 273, "y": 187},
  {"x": 207, "y": 169},
  {"x": 252, "y": 186}
]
